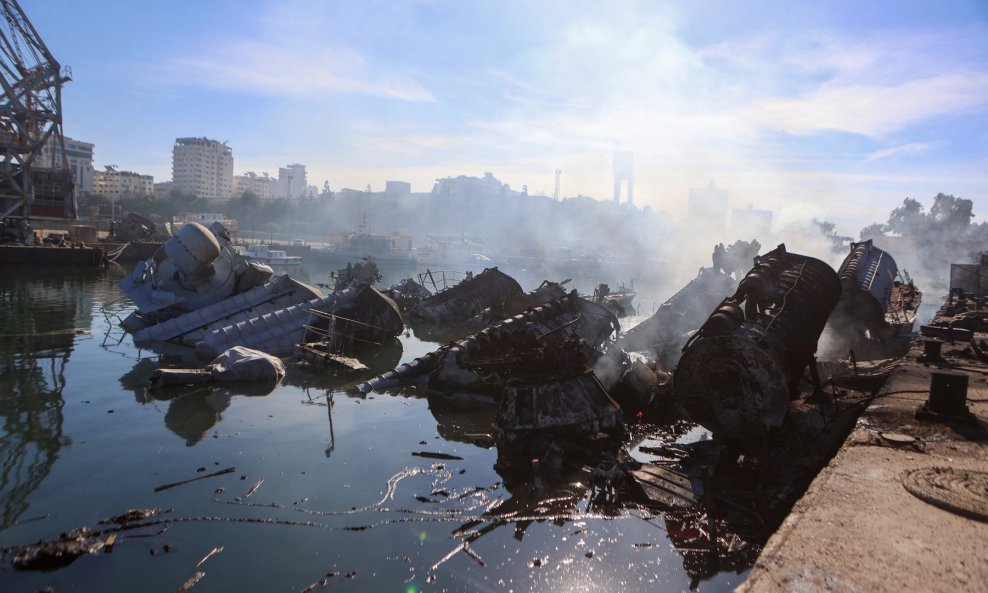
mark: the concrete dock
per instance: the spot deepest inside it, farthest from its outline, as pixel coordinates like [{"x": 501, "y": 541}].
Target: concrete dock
[{"x": 857, "y": 527}]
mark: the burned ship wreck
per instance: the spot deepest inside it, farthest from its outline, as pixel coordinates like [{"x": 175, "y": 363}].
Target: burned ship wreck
[
  {"x": 877, "y": 308},
  {"x": 741, "y": 368},
  {"x": 482, "y": 361},
  {"x": 733, "y": 351},
  {"x": 198, "y": 292}
]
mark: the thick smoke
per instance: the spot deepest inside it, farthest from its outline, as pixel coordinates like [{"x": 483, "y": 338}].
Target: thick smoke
[{"x": 602, "y": 241}]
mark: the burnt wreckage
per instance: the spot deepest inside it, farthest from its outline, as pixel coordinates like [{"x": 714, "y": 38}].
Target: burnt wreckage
[
  {"x": 877, "y": 307},
  {"x": 198, "y": 292},
  {"x": 525, "y": 343},
  {"x": 664, "y": 333},
  {"x": 740, "y": 370},
  {"x": 535, "y": 366},
  {"x": 490, "y": 288}
]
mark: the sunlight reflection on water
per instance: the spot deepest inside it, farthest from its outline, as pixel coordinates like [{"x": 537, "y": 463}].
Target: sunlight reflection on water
[{"x": 85, "y": 439}]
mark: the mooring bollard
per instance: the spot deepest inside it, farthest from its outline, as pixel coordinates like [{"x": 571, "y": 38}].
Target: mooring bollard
[
  {"x": 948, "y": 393},
  {"x": 931, "y": 350}
]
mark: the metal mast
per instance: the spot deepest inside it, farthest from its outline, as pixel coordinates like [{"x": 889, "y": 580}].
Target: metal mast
[{"x": 33, "y": 182}]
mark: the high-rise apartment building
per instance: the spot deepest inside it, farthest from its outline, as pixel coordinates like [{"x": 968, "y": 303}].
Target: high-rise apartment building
[
  {"x": 291, "y": 181},
  {"x": 203, "y": 167}
]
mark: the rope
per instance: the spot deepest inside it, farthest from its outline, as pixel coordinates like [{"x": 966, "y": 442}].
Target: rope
[{"x": 111, "y": 256}]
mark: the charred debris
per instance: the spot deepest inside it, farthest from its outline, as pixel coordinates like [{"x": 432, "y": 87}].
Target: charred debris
[{"x": 567, "y": 396}]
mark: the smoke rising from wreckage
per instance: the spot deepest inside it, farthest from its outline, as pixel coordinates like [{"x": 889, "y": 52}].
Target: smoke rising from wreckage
[
  {"x": 565, "y": 395},
  {"x": 577, "y": 409}
]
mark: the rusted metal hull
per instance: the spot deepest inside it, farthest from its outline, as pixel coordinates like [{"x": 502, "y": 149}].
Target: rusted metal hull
[
  {"x": 867, "y": 278},
  {"x": 664, "y": 333},
  {"x": 738, "y": 373},
  {"x": 876, "y": 310},
  {"x": 577, "y": 404},
  {"x": 515, "y": 344},
  {"x": 466, "y": 299}
]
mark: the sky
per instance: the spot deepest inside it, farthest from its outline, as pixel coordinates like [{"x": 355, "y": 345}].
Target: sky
[{"x": 834, "y": 110}]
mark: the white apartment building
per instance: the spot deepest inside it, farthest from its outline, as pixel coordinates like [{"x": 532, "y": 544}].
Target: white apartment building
[
  {"x": 80, "y": 157},
  {"x": 203, "y": 167},
  {"x": 263, "y": 186},
  {"x": 291, "y": 181},
  {"x": 114, "y": 184}
]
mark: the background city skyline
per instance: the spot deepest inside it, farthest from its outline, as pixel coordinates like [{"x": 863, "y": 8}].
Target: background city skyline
[{"x": 838, "y": 112}]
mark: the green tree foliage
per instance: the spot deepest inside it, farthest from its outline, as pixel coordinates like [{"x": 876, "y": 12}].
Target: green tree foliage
[
  {"x": 951, "y": 212},
  {"x": 873, "y": 231},
  {"x": 936, "y": 238}
]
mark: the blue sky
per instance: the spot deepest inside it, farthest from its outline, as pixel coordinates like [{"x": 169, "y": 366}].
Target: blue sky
[{"x": 834, "y": 110}]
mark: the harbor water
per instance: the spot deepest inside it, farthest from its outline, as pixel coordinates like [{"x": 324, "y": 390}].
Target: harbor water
[{"x": 330, "y": 490}]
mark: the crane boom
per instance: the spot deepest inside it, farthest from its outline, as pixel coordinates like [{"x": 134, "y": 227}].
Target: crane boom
[{"x": 34, "y": 182}]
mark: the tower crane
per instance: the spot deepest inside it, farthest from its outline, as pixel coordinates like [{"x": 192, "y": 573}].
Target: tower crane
[{"x": 35, "y": 181}]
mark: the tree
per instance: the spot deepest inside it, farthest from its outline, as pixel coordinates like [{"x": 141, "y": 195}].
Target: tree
[
  {"x": 249, "y": 200},
  {"x": 951, "y": 212},
  {"x": 873, "y": 230},
  {"x": 907, "y": 218},
  {"x": 829, "y": 231}
]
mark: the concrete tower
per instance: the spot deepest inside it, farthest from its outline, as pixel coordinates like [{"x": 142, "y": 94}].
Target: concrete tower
[{"x": 624, "y": 170}]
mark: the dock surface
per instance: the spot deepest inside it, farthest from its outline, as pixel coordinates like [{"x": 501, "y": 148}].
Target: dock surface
[{"x": 857, "y": 528}]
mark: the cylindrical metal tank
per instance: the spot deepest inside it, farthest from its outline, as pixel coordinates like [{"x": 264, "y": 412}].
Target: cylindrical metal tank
[
  {"x": 738, "y": 374},
  {"x": 192, "y": 249}
]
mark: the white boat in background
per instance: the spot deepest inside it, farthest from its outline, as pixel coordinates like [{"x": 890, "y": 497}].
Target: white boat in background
[{"x": 262, "y": 253}]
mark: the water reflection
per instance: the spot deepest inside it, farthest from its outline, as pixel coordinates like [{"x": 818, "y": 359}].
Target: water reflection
[
  {"x": 378, "y": 358},
  {"x": 192, "y": 410},
  {"x": 456, "y": 511},
  {"x": 40, "y": 318}
]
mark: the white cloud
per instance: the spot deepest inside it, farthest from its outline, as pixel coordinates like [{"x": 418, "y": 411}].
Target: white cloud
[
  {"x": 298, "y": 70},
  {"x": 911, "y": 149},
  {"x": 875, "y": 110},
  {"x": 755, "y": 110},
  {"x": 288, "y": 49}
]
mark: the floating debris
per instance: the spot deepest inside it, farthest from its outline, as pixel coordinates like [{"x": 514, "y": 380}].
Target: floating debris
[
  {"x": 211, "y": 553},
  {"x": 430, "y": 455},
  {"x": 228, "y": 470},
  {"x": 191, "y": 582},
  {"x": 236, "y": 364},
  {"x": 250, "y": 491}
]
